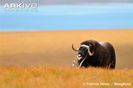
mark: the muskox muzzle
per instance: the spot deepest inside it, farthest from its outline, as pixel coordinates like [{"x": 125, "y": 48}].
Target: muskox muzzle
[{"x": 80, "y": 59}]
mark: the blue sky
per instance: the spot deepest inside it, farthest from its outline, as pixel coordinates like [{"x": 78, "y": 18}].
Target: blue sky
[{"x": 68, "y": 17}]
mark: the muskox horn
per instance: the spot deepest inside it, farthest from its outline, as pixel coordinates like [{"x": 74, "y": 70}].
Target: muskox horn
[
  {"x": 74, "y": 48},
  {"x": 88, "y": 47},
  {"x": 90, "y": 53}
]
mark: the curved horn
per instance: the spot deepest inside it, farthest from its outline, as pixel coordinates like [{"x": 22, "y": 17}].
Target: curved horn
[
  {"x": 90, "y": 52},
  {"x": 74, "y": 48},
  {"x": 86, "y": 46}
]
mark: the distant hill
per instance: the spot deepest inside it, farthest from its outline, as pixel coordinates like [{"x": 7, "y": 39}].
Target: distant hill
[
  {"x": 51, "y": 2},
  {"x": 82, "y": 1}
]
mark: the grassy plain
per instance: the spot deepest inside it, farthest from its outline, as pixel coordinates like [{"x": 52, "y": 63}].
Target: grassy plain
[
  {"x": 45, "y": 76},
  {"x": 42, "y": 59},
  {"x": 54, "y": 47}
]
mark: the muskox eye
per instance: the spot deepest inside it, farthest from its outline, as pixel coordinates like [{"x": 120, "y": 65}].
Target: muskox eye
[{"x": 79, "y": 55}]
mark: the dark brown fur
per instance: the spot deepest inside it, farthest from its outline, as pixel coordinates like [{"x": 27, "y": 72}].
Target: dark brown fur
[{"x": 104, "y": 54}]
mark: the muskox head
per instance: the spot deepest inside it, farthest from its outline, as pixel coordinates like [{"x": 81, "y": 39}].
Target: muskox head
[{"x": 85, "y": 51}]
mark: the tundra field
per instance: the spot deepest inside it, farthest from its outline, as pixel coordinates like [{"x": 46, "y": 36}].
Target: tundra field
[{"x": 43, "y": 59}]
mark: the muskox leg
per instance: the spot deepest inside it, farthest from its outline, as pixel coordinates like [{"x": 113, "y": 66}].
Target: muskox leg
[
  {"x": 112, "y": 66},
  {"x": 113, "y": 58}
]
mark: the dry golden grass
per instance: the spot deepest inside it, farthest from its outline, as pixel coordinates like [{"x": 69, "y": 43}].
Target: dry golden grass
[
  {"x": 45, "y": 76},
  {"x": 21, "y": 49},
  {"x": 54, "y": 47}
]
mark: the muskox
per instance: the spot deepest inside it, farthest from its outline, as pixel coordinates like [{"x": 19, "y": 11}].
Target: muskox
[{"x": 92, "y": 53}]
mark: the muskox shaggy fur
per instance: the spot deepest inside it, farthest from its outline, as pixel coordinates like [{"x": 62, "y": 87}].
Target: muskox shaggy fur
[{"x": 95, "y": 54}]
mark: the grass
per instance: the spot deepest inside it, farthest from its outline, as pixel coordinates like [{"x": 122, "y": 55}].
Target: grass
[
  {"x": 21, "y": 52},
  {"x": 45, "y": 76},
  {"x": 42, "y": 47}
]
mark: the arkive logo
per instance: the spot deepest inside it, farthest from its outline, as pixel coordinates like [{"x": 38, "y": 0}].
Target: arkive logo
[{"x": 21, "y": 5}]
